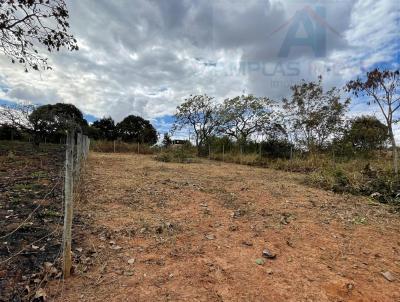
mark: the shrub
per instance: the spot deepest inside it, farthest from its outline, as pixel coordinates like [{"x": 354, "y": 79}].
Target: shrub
[
  {"x": 120, "y": 147},
  {"x": 180, "y": 154}
]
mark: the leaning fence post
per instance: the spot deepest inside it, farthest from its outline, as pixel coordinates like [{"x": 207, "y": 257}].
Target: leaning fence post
[{"x": 68, "y": 203}]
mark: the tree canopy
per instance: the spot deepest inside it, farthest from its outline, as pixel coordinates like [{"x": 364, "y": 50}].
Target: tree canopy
[
  {"x": 366, "y": 133},
  {"x": 313, "y": 115},
  {"x": 51, "y": 121},
  {"x": 27, "y": 24},
  {"x": 106, "y": 128},
  {"x": 136, "y": 129},
  {"x": 200, "y": 114},
  {"x": 243, "y": 116}
]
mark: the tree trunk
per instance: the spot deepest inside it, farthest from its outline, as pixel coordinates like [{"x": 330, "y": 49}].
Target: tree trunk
[{"x": 394, "y": 148}]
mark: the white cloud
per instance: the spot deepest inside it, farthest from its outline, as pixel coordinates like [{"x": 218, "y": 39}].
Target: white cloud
[{"x": 144, "y": 56}]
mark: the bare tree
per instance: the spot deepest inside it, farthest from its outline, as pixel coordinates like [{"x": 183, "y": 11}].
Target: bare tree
[
  {"x": 384, "y": 89},
  {"x": 25, "y": 24}
]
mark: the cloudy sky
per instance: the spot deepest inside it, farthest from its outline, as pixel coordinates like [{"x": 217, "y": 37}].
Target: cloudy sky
[{"x": 145, "y": 56}]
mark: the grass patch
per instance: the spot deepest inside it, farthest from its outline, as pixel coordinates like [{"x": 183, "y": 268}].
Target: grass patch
[
  {"x": 181, "y": 154},
  {"x": 120, "y": 147}
]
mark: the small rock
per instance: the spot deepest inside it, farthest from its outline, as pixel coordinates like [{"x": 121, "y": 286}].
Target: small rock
[
  {"x": 267, "y": 254},
  {"x": 112, "y": 242},
  {"x": 248, "y": 243},
  {"x": 210, "y": 237},
  {"x": 79, "y": 249},
  {"x": 388, "y": 276},
  {"x": 35, "y": 247},
  {"x": 128, "y": 273},
  {"x": 269, "y": 271},
  {"x": 131, "y": 261},
  {"x": 116, "y": 247}
]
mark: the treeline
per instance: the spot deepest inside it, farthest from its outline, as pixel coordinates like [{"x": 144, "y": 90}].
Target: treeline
[
  {"x": 311, "y": 120},
  {"x": 49, "y": 123}
]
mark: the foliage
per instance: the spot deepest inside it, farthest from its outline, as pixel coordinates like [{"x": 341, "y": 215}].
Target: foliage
[
  {"x": 277, "y": 148},
  {"x": 136, "y": 129},
  {"x": 314, "y": 116},
  {"x": 366, "y": 133},
  {"x": 200, "y": 115},
  {"x": 166, "y": 140},
  {"x": 244, "y": 116},
  {"x": 383, "y": 87},
  {"x": 120, "y": 147},
  {"x": 26, "y": 23},
  {"x": 52, "y": 121},
  {"x": 105, "y": 129},
  {"x": 179, "y": 154},
  {"x": 9, "y": 132}
]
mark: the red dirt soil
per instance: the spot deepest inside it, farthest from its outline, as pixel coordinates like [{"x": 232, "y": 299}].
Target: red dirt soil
[{"x": 193, "y": 232}]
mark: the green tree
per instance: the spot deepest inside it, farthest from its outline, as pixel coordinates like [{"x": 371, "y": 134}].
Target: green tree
[
  {"x": 25, "y": 24},
  {"x": 167, "y": 140},
  {"x": 366, "y": 133},
  {"x": 200, "y": 114},
  {"x": 136, "y": 129},
  {"x": 243, "y": 116},
  {"x": 382, "y": 87},
  {"x": 313, "y": 115},
  {"x": 51, "y": 121},
  {"x": 106, "y": 128}
]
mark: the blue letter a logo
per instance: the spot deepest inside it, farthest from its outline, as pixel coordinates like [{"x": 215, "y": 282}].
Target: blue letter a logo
[{"x": 315, "y": 35}]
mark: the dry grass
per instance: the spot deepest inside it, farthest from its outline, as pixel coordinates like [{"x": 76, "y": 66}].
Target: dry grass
[
  {"x": 202, "y": 241},
  {"x": 120, "y": 147}
]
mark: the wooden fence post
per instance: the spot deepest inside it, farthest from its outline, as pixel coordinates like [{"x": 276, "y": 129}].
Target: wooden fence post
[
  {"x": 223, "y": 152},
  {"x": 79, "y": 149},
  {"x": 114, "y": 146},
  {"x": 68, "y": 203}
]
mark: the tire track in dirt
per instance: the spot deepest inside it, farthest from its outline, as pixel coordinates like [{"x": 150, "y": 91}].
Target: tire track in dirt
[{"x": 195, "y": 231}]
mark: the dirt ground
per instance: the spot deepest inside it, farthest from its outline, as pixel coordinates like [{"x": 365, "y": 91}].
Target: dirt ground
[
  {"x": 196, "y": 232},
  {"x": 30, "y": 217}
]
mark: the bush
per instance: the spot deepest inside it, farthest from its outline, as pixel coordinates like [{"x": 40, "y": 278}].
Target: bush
[
  {"x": 277, "y": 149},
  {"x": 179, "y": 154},
  {"x": 379, "y": 184},
  {"x": 120, "y": 147}
]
